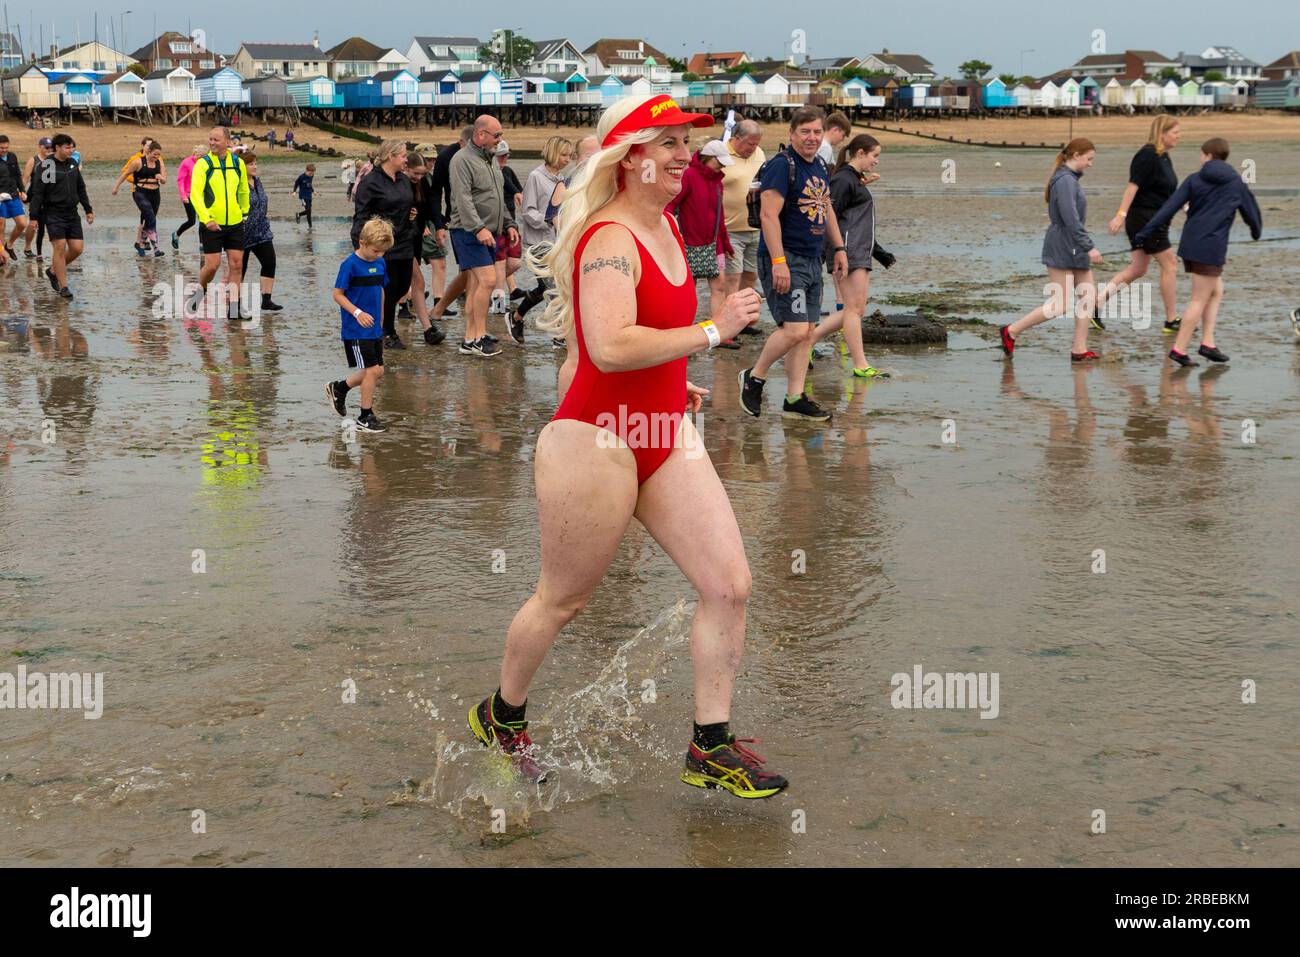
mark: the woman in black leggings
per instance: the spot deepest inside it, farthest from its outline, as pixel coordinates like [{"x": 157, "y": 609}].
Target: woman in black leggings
[
  {"x": 146, "y": 173},
  {"x": 257, "y": 235},
  {"x": 386, "y": 192}
]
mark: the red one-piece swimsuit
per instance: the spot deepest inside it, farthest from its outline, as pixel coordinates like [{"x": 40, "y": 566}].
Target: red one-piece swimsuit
[{"x": 643, "y": 407}]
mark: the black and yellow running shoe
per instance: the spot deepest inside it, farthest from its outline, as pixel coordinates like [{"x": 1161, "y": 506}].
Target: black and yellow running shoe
[
  {"x": 731, "y": 766},
  {"x": 510, "y": 736},
  {"x": 1171, "y": 327}
]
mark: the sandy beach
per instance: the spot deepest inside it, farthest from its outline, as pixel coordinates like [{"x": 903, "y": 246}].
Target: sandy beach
[{"x": 115, "y": 143}]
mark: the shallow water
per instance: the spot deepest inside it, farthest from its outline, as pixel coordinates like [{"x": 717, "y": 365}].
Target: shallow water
[{"x": 373, "y": 561}]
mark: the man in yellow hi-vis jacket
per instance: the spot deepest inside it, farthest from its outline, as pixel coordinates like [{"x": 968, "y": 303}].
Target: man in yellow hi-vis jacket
[{"x": 219, "y": 195}]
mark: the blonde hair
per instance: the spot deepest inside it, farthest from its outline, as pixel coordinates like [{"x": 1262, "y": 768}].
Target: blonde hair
[
  {"x": 553, "y": 149},
  {"x": 1161, "y": 125},
  {"x": 386, "y": 149},
  {"x": 377, "y": 233},
  {"x": 594, "y": 186}
]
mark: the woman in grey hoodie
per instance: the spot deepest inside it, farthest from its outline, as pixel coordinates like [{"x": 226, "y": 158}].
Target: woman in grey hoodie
[
  {"x": 538, "y": 208},
  {"x": 1068, "y": 253}
]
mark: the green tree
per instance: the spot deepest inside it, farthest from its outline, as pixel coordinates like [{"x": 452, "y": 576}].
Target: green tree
[
  {"x": 676, "y": 65},
  {"x": 690, "y": 77},
  {"x": 511, "y": 60},
  {"x": 1214, "y": 76},
  {"x": 974, "y": 69},
  {"x": 1008, "y": 79}
]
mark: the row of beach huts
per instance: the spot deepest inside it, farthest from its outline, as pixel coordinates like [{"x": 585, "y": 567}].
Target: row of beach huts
[{"x": 173, "y": 80}]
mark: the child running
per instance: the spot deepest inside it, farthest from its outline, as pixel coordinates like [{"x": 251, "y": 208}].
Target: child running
[
  {"x": 303, "y": 187},
  {"x": 359, "y": 292},
  {"x": 1068, "y": 252},
  {"x": 1213, "y": 196}
]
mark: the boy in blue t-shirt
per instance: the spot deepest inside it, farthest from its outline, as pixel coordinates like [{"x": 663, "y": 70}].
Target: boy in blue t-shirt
[
  {"x": 303, "y": 187},
  {"x": 359, "y": 292}
]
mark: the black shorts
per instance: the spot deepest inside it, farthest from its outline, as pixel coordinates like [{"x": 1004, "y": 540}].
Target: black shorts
[
  {"x": 62, "y": 225},
  {"x": 1157, "y": 242},
  {"x": 364, "y": 353},
  {"x": 228, "y": 237}
]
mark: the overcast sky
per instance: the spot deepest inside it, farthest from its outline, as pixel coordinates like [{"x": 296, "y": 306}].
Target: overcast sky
[{"x": 1049, "y": 35}]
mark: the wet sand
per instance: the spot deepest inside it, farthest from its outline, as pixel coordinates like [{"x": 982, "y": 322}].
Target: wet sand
[{"x": 373, "y": 561}]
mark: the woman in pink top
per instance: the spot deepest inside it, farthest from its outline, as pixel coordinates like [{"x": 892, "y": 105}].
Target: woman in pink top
[{"x": 183, "y": 176}]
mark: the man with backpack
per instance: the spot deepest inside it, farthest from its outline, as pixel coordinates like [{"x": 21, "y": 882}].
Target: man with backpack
[
  {"x": 219, "y": 195},
  {"x": 796, "y": 220}
]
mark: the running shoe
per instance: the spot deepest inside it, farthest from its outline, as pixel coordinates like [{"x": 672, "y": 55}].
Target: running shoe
[
  {"x": 733, "y": 767},
  {"x": 487, "y": 347},
  {"x": 433, "y": 335},
  {"x": 560, "y": 342},
  {"x": 751, "y": 393},
  {"x": 12, "y": 255},
  {"x": 1172, "y": 327},
  {"x": 338, "y": 400},
  {"x": 1096, "y": 319},
  {"x": 1185, "y": 361},
  {"x": 804, "y": 408},
  {"x": 490, "y": 338},
  {"x": 393, "y": 342},
  {"x": 728, "y": 344},
  {"x": 870, "y": 372},
  {"x": 176, "y": 241},
  {"x": 157, "y": 251},
  {"x": 510, "y": 736},
  {"x": 28, "y": 253},
  {"x": 54, "y": 280},
  {"x": 467, "y": 347},
  {"x": 1295, "y": 320},
  {"x": 404, "y": 310},
  {"x": 141, "y": 250},
  {"x": 65, "y": 292},
  {"x": 517, "y": 327},
  {"x": 1083, "y": 356},
  {"x": 369, "y": 422},
  {"x": 751, "y": 331},
  {"x": 1212, "y": 353},
  {"x": 269, "y": 306}
]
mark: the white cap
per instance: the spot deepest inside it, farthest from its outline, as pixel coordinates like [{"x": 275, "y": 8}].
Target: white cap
[
  {"x": 503, "y": 148},
  {"x": 718, "y": 150}
]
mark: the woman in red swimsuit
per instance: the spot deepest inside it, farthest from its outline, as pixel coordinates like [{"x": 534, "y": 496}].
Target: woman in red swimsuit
[{"x": 620, "y": 446}]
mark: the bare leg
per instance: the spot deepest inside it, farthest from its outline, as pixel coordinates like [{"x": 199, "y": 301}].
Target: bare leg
[
  {"x": 368, "y": 383},
  {"x": 1136, "y": 269},
  {"x": 583, "y": 513},
  {"x": 437, "y": 277},
  {"x": 704, "y": 540},
  {"x": 454, "y": 291},
  {"x": 1056, "y": 305},
  {"x": 418, "y": 304},
  {"x": 717, "y": 296},
  {"x": 1086, "y": 289},
  {"x": 1168, "y": 283},
  {"x": 1211, "y": 314},
  {"x": 1202, "y": 289}
]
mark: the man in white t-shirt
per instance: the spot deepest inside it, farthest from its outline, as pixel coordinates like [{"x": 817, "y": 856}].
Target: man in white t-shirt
[{"x": 838, "y": 128}]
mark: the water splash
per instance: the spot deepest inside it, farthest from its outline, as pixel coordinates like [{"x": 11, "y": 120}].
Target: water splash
[{"x": 591, "y": 741}]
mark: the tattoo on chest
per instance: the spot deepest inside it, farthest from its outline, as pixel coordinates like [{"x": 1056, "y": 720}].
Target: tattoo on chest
[{"x": 615, "y": 262}]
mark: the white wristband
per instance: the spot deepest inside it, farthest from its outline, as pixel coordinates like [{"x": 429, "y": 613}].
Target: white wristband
[
  {"x": 356, "y": 312},
  {"x": 715, "y": 339}
]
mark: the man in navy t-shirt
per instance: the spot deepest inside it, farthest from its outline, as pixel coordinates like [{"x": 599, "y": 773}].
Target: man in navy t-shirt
[
  {"x": 359, "y": 292},
  {"x": 797, "y": 221}
]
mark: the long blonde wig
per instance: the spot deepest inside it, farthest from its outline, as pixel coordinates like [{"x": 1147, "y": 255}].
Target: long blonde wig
[{"x": 594, "y": 186}]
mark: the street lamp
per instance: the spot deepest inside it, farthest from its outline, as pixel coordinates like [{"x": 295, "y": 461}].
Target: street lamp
[
  {"x": 1022, "y": 60},
  {"x": 125, "y": 46}
]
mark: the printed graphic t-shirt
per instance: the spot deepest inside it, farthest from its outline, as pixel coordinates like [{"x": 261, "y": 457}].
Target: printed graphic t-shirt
[
  {"x": 803, "y": 219},
  {"x": 363, "y": 283}
]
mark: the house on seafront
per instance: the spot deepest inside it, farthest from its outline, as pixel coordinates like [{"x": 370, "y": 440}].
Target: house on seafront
[
  {"x": 627, "y": 58},
  {"x": 1224, "y": 60},
  {"x": 904, "y": 66},
  {"x": 434, "y": 54},
  {"x": 280, "y": 59},
  {"x": 357, "y": 56},
  {"x": 172, "y": 49}
]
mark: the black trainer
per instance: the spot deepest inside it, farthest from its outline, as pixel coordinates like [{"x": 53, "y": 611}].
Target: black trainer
[
  {"x": 1096, "y": 320},
  {"x": 392, "y": 342},
  {"x": 517, "y": 327},
  {"x": 404, "y": 310},
  {"x": 433, "y": 335},
  {"x": 1172, "y": 327},
  {"x": 369, "y": 422},
  {"x": 338, "y": 400},
  {"x": 804, "y": 408},
  {"x": 751, "y": 393},
  {"x": 54, "y": 280},
  {"x": 487, "y": 347},
  {"x": 66, "y": 293},
  {"x": 1184, "y": 361},
  {"x": 28, "y": 253},
  {"x": 1212, "y": 353}
]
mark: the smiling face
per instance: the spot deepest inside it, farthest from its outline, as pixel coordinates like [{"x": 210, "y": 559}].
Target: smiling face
[
  {"x": 806, "y": 138},
  {"x": 865, "y": 161},
  {"x": 218, "y": 140},
  {"x": 658, "y": 166}
]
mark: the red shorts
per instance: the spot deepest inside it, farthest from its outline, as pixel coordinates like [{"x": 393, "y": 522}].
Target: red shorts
[{"x": 507, "y": 251}]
